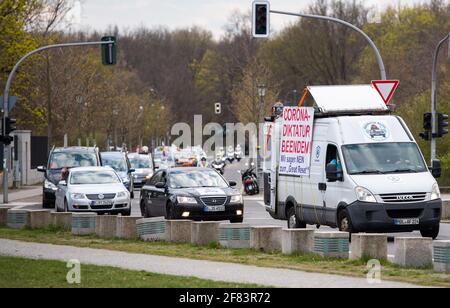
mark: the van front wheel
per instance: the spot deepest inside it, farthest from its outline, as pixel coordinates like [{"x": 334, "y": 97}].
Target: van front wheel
[
  {"x": 431, "y": 233},
  {"x": 345, "y": 222},
  {"x": 293, "y": 222}
]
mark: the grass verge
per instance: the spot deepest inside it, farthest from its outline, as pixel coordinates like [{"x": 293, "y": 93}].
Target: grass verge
[
  {"x": 27, "y": 273},
  {"x": 309, "y": 263}
]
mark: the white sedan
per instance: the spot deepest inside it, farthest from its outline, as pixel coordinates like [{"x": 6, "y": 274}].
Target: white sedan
[{"x": 93, "y": 189}]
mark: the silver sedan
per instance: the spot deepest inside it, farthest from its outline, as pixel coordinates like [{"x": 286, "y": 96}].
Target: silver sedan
[{"x": 93, "y": 189}]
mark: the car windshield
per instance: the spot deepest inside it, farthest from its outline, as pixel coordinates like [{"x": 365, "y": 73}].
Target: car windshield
[
  {"x": 196, "y": 179},
  {"x": 93, "y": 177},
  {"x": 118, "y": 163},
  {"x": 71, "y": 160},
  {"x": 140, "y": 162},
  {"x": 383, "y": 158}
]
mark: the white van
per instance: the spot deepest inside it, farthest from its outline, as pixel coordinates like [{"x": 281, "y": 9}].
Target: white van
[{"x": 367, "y": 173}]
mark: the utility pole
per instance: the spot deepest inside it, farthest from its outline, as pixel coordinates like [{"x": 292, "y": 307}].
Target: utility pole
[
  {"x": 7, "y": 147},
  {"x": 434, "y": 98}
]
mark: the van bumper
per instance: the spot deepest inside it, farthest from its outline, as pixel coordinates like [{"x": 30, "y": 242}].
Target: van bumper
[{"x": 383, "y": 217}]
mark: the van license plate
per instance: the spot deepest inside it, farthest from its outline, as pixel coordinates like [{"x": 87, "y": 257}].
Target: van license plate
[
  {"x": 407, "y": 222},
  {"x": 215, "y": 209}
]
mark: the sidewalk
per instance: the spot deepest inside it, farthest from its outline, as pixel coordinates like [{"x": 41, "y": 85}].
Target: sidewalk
[
  {"x": 26, "y": 193},
  {"x": 216, "y": 271}
]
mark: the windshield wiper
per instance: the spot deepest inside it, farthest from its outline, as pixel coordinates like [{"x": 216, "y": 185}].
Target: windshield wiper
[
  {"x": 368, "y": 172},
  {"x": 404, "y": 171}
]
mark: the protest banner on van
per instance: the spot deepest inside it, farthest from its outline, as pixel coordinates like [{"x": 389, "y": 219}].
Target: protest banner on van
[{"x": 296, "y": 141}]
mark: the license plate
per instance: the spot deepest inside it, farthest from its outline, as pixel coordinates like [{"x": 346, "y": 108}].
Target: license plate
[
  {"x": 407, "y": 222},
  {"x": 101, "y": 203},
  {"x": 215, "y": 208}
]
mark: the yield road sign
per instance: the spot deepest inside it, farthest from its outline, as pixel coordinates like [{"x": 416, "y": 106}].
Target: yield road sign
[{"x": 386, "y": 88}]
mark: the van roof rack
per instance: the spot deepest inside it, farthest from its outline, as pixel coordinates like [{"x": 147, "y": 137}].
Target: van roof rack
[{"x": 350, "y": 100}]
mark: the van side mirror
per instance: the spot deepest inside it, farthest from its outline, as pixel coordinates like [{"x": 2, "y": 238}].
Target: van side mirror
[
  {"x": 62, "y": 183},
  {"x": 436, "y": 169},
  {"x": 131, "y": 171},
  {"x": 332, "y": 173},
  {"x": 41, "y": 169},
  {"x": 233, "y": 184}
]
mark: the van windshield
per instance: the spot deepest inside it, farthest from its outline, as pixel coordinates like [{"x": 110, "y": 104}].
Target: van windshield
[{"x": 383, "y": 158}]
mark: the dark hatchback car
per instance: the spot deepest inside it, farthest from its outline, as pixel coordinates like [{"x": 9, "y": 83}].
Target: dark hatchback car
[
  {"x": 191, "y": 193},
  {"x": 59, "y": 159}
]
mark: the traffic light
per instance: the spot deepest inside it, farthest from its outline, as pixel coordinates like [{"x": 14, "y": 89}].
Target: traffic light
[
  {"x": 427, "y": 126},
  {"x": 261, "y": 19},
  {"x": 442, "y": 125},
  {"x": 9, "y": 125},
  {"x": 109, "y": 51}
]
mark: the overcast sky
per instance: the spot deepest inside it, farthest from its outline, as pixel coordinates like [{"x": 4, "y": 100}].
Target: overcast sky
[{"x": 210, "y": 14}]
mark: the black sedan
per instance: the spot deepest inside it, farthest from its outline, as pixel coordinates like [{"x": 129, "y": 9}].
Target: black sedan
[{"x": 191, "y": 193}]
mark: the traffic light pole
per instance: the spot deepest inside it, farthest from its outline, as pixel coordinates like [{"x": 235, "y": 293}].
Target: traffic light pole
[
  {"x": 434, "y": 99},
  {"x": 342, "y": 22},
  {"x": 7, "y": 148}
]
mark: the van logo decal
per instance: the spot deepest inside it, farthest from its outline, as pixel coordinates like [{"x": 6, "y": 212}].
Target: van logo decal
[
  {"x": 376, "y": 131},
  {"x": 394, "y": 179},
  {"x": 318, "y": 150}
]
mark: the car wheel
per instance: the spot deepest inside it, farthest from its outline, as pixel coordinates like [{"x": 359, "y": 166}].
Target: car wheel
[
  {"x": 237, "y": 220},
  {"x": 126, "y": 213},
  {"x": 66, "y": 206},
  {"x": 170, "y": 215},
  {"x": 431, "y": 233},
  {"x": 344, "y": 222},
  {"x": 293, "y": 221}
]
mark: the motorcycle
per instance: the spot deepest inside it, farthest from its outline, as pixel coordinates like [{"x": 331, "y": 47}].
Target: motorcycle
[
  {"x": 219, "y": 166},
  {"x": 250, "y": 181}
]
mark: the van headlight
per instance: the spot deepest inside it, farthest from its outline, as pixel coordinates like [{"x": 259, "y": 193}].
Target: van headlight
[
  {"x": 364, "y": 195},
  {"x": 435, "y": 192},
  {"x": 78, "y": 196},
  {"x": 186, "y": 200},
  {"x": 50, "y": 185},
  {"x": 236, "y": 199}
]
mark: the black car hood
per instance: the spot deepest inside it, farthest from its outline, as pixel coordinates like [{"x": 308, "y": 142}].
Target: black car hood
[
  {"x": 205, "y": 191},
  {"x": 54, "y": 176}
]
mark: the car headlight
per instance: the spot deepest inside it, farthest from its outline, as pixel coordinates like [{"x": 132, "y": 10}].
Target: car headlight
[
  {"x": 236, "y": 199},
  {"x": 50, "y": 185},
  {"x": 148, "y": 177},
  {"x": 78, "y": 196},
  {"x": 364, "y": 195},
  {"x": 122, "y": 194},
  {"x": 186, "y": 200},
  {"x": 435, "y": 192}
]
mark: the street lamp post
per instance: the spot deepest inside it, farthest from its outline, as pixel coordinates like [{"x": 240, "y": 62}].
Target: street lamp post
[{"x": 434, "y": 97}]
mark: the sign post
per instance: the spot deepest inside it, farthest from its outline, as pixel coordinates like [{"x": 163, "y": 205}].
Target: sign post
[{"x": 296, "y": 141}]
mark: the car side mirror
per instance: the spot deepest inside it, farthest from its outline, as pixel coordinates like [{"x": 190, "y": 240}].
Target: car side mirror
[
  {"x": 62, "y": 183},
  {"x": 436, "y": 169},
  {"x": 132, "y": 170},
  {"x": 160, "y": 185},
  {"x": 332, "y": 173},
  {"x": 41, "y": 169},
  {"x": 233, "y": 184}
]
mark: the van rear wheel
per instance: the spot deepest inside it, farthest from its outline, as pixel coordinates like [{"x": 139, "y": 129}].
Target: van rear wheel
[
  {"x": 293, "y": 222},
  {"x": 345, "y": 222}
]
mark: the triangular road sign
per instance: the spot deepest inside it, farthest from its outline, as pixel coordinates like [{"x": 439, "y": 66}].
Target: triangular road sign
[{"x": 386, "y": 88}]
